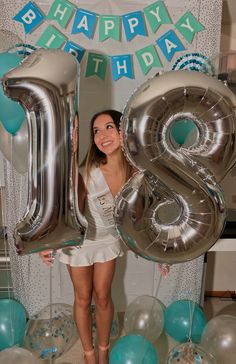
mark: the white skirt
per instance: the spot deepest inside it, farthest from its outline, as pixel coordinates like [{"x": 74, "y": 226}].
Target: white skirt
[{"x": 90, "y": 252}]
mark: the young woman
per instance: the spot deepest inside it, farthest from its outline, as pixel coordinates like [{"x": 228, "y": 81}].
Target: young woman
[{"x": 92, "y": 266}]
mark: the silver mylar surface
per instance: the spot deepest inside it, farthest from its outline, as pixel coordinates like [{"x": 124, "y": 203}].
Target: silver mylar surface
[
  {"x": 173, "y": 209},
  {"x": 46, "y": 85}
]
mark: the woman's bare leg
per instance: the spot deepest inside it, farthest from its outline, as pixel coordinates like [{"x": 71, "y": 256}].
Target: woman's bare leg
[
  {"x": 82, "y": 279},
  {"x": 102, "y": 281}
]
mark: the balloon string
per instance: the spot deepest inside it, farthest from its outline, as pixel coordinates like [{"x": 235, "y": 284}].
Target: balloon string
[
  {"x": 5, "y": 242},
  {"x": 191, "y": 313},
  {"x": 158, "y": 285},
  {"x": 50, "y": 320}
]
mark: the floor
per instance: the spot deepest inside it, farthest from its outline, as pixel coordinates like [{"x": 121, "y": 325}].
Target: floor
[{"x": 212, "y": 307}]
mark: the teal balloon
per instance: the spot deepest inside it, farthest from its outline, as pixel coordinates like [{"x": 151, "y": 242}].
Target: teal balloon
[
  {"x": 12, "y": 323},
  {"x": 181, "y": 129},
  {"x": 184, "y": 320},
  {"x": 12, "y": 114},
  {"x": 133, "y": 349}
]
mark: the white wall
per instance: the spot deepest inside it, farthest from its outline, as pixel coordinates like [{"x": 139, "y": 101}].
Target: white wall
[{"x": 228, "y": 37}]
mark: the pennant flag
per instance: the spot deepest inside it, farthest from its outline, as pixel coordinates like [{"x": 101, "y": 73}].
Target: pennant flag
[
  {"x": 74, "y": 49},
  {"x": 30, "y": 16},
  {"x": 96, "y": 65},
  {"x": 121, "y": 66},
  {"x": 188, "y": 26},
  {"x": 148, "y": 58},
  {"x": 51, "y": 38},
  {"x": 61, "y": 11},
  {"x": 109, "y": 27},
  {"x": 84, "y": 22},
  {"x": 134, "y": 25},
  {"x": 156, "y": 15},
  {"x": 169, "y": 44}
]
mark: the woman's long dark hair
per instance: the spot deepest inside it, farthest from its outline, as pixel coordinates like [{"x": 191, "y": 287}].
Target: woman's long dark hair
[{"x": 94, "y": 156}]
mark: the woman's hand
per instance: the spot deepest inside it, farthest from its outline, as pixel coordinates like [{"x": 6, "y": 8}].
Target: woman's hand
[
  {"x": 164, "y": 269},
  {"x": 47, "y": 257}
]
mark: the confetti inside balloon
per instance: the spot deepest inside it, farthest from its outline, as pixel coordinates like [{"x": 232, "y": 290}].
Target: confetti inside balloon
[
  {"x": 189, "y": 353},
  {"x": 51, "y": 332}
]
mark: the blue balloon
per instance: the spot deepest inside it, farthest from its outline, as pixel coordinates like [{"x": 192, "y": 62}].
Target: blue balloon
[
  {"x": 133, "y": 349},
  {"x": 12, "y": 113},
  {"x": 12, "y": 323},
  {"x": 184, "y": 320}
]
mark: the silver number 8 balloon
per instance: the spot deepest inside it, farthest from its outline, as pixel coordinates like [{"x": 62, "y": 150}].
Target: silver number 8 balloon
[{"x": 173, "y": 210}]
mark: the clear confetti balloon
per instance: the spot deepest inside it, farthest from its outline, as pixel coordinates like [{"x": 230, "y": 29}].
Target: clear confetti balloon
[
  {"x": 189, "y": 353},
  {"x": 51, "y": 332}
]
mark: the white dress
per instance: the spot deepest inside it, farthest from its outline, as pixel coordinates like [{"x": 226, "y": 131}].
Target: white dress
[{"x": 102, "y": 242}]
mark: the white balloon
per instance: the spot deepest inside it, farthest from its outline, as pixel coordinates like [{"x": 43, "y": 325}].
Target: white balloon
[
  {"x": 219, "y": 338},
  {"x": 15, "y": 148},
  {"x": 144, "y": 316},
  {"x": 17, "y": 355}
]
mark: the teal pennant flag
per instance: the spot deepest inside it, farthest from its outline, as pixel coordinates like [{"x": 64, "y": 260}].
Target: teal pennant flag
[
  {"x": 61, "y": 11},
  {"x": 148, "y": 58},
  {"x": 96, "y": 65},
  {"x": 51, "y": 38},
  {"x": 109, "y": 27},
  {"x": 188, "y": 26},
  {"x": 156, "y": 15}
]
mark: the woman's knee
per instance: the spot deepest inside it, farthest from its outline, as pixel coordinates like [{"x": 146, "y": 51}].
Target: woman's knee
[
  {"x": 102, "y": 300},
  {"x": 83, "y": 301}
]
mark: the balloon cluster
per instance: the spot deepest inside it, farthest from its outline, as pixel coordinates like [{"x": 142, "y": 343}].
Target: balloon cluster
[
  {"x": 197, "y": 341},
  {"x": 47, "y": 335}
]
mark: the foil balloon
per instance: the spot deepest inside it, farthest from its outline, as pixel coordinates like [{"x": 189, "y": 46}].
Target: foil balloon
[
  {"x": 173, "y": 210},
  {"x": 46, "y": 85}
]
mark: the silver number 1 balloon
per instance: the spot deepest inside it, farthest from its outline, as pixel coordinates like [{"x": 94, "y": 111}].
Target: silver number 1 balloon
[
  {"x": 46, "y": 85},
  {"x": 173, "y": 209}
]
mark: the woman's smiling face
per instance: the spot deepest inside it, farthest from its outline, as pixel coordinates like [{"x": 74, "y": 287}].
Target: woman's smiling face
[{"x": 106, "y": 135}]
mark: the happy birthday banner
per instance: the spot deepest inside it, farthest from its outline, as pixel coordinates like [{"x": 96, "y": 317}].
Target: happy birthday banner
[{"x": 113, "y": 27}]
